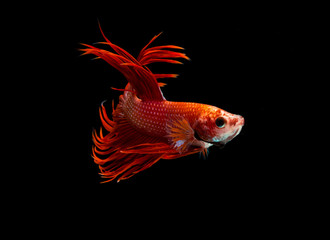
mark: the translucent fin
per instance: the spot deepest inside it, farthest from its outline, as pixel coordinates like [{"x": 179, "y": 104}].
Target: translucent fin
[{"x": 181, "y": 134}]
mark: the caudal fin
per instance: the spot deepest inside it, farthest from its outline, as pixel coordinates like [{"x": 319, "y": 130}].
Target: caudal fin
[
  {"x": 122, "y": 151},
  {"x": 118, "y": 152}
]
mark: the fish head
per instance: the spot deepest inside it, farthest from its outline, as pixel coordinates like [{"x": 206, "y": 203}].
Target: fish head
[{"x": 217, "y": 126}]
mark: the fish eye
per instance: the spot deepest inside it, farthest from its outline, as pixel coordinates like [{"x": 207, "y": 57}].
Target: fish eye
[{"x": 220, "y": 122}]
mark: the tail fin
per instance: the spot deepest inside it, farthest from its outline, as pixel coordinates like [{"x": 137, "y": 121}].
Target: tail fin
[
  {"x": 123, "y": 152},
  {"x": 137, "y": 74},
  {"x": 116, "y": 153}
]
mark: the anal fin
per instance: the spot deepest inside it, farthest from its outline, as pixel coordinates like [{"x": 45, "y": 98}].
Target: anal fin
[
  {"x": 123, "y": 152},
  {"x": 149, "y": 148}
]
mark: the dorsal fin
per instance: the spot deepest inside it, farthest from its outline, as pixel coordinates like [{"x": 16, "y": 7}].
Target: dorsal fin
[{"x": 135, "y": 71}]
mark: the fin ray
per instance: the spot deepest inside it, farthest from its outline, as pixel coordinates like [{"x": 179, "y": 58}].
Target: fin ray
[
  {"x": 181, "y": 134},
  {"x": 149, "y": 148},
  {"x": 123, "y": 151},
  {"x": 143, "y": 81}
]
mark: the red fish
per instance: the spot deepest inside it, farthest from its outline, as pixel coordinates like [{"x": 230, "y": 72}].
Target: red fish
[{"x": 145, "y": 127}]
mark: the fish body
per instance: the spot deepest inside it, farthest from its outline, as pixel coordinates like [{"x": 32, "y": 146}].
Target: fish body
[
  {"x": 145, "y": 127},
  {"x": 154, "y": 118}
]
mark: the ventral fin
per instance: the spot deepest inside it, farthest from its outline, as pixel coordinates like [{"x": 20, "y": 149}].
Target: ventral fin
[{"x": 180, "y": 134}]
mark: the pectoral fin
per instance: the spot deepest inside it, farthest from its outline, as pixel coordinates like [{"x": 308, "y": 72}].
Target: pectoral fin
[{"x": 180, "y": 134}]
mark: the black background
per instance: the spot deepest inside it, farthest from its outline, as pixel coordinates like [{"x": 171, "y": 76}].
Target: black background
[
  {"x": 245, "y": 65},
  {"x": 241, "y": 65},
  {"x": 246, "y": 60}
]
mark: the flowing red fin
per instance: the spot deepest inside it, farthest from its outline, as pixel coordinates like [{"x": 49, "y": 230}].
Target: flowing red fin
[
  {"x": 161, "y": 84},
  {"x": 123, "y": 151},
  {"x": 123, "y": 90},
  {"x": 124, "y": 166},
  {"x": 141, "y": 79},
  {"x": 165, "y": 75},
  {"x": 170, "y": 156},
  {"x": 165, "y": 46},
  {"x": 150, "y": 148},
  {"x": 155, "y": 60},
  {"x": 146, "y": 46},
  {"x": 159, "y": 54},
  {"x": 116, "y": 48}
]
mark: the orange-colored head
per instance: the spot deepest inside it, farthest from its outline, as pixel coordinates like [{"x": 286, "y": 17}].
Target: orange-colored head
[{"x": 216, "y": 126}]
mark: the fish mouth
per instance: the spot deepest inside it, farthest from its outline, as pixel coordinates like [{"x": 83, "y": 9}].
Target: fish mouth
[
  {"x": 237, "y": 131},
  {"x": 220, "y": 144}
]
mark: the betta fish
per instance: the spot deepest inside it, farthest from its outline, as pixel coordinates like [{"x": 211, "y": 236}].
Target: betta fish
[{"x": 144, "y": 126}]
